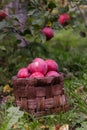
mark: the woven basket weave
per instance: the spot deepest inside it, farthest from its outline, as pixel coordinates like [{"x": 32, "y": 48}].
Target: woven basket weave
[{"x": 40, "y": 96}]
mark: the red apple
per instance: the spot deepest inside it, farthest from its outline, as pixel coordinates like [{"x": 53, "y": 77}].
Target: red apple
[
  {"x": 63, "y": 18},
  {"x": 48, "y": 32},
  {"x": 36, "y": 75},
  {"x": 2, "y": 15},
  {"x": 23, "y": 73},
  {"x": 38, "y": 59},
  {"x": 38, "y": 65},
  {"x": 52, "y": 65},
  {"x": 52, "y": 74}
]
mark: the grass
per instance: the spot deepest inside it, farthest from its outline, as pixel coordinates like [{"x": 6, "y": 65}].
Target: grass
[
  {"x": 69, "y": 49},
  {"x": 69, "y": 37}
]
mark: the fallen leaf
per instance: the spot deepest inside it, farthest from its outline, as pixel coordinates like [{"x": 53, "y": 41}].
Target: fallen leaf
[
  {"x": 79, "y": 89},
  {"x": 43, "y": 127},
  {"x": 64, "y": 127},
  {"x": 85, "y": 118},
  {"x": 7, "y": 88},
  {"x": 56, "y": 127},
  {"x": 15, "y": 126}
]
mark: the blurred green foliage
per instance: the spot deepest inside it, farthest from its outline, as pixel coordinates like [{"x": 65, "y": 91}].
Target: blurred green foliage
[{"x": 65, "y": 47}]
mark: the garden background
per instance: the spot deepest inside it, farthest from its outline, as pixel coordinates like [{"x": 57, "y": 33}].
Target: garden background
[{"x": 21, "y": 41}]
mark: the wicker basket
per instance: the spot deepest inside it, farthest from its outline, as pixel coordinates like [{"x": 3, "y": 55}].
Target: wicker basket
[{"x": 40, "y": 96}]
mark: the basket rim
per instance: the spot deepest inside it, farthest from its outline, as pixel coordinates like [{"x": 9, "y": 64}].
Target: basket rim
[{"x": 38, "y": 81}]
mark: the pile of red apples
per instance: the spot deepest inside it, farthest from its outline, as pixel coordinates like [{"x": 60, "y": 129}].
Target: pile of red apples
[{"x": 39, "y": 68}]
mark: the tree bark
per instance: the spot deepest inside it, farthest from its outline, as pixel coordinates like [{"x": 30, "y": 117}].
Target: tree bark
[{"x": 19, "y": 8}]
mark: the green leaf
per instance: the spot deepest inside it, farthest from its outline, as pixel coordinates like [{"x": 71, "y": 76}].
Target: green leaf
[
  {"x": 43, "y": 38},
  {"x": 63, "y": 9},
  {"x": 31, "y": 12},
  {"x": 3, "y": 25},
  {"x": 83, "y": 126},
  {"x": 2, "y": 36},
  {"x": 2, "y": 48},
  {"x": 7, "y": 1},
  {"x": 52, "y": 5},
  {"x": 12, "y": 117}
]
